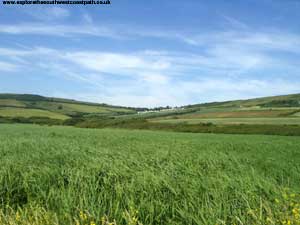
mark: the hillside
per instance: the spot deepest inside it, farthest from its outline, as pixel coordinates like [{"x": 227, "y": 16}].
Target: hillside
[
  {"x": 292, "y": 100},
  {"x": 28, "y": 106},
  {"x": 259, "y": 110},
  {"x": 260, "y": 114}
]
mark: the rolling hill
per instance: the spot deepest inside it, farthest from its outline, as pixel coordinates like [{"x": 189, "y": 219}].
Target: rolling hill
[
  {"x": 27, "y": 106},
  {"x": 260, "y": 110},
  {"x": 276, "y": 110}
]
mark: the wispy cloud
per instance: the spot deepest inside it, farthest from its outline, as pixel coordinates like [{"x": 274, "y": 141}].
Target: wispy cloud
[
  {"x": 152, "y": 78},
  {"x": 57, "y": 30},
  {"x": 46, "y": 14},
  {"x": 186, "y": 92},
  {"x": 234, "y": 38},
  {"x": 234, "y": 22},
  {"x": 225, "y": 64},
  {"x": 272, "y": 40},
  {"x": 8, "y": 67}
]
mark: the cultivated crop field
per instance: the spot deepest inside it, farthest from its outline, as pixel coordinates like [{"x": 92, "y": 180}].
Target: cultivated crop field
[
  {"x": 64, "y": 175},
  {"x": 257, "y": 120}
]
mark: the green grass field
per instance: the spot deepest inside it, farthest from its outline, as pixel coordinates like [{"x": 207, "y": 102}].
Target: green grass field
[
  {"x": 297, "y": 114},
  {"x": 258, "y": 120},
  {"x": 237, "y": 113},
  {"x": 68, "y": 108},
  {"x": 27, "y": 113},
  {"x": 64, "y": 175},
  {"x": 11, "y": 103}
]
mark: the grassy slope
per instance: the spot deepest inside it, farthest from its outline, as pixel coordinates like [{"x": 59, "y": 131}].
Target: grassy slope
[
  {"x": 52, "y": 107},
  {"x": 69, "y": 108},
  {"x": 58, "y": 175},
  {"x": 251, "y": 102},
  {"x": 11, "y": 102},
  {"x": 27, "y": 113},
  {"x": 276, "y": 110},
  {"x": 271, "y": 110}
]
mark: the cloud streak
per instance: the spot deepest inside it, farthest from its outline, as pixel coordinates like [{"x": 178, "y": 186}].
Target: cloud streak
[
  {"x": 231, "y": 64},
  {"x": 247, "y": 38},
  {"x": 8, "y": 67},
  {"x": 152, "y": 78}
]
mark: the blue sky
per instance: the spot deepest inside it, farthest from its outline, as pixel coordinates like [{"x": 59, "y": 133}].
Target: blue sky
[{"x": 152, "y": 53}]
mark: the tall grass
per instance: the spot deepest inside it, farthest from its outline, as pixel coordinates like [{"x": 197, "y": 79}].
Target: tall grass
[{"x": 63, "y": 175}]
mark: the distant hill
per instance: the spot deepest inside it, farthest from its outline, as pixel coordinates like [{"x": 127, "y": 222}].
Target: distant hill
[
  {"x": 35, "y": 106},
  {"x": 27, "y": 105},
  {"x": 292, "y": 100},
  {"x": 283, "y": 109}
]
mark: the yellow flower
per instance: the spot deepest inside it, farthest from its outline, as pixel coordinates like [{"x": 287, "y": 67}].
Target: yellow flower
[
  {"x": 293, "y": 195},
  {"x": 92, "y": 223},
  {"x": 18, "y": 217},
  {"x": 295, "y": 211},
  {"x": 134, "y": 219},
  {"x": 82, "y": 215}
]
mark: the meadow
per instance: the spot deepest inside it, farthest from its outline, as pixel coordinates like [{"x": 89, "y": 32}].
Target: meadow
[
  {"x": 28, "y": 113},
  {"x": 65, "y": 175}
]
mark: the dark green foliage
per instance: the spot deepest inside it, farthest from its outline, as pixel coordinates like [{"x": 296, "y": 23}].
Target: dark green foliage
[
  {"x": 31, "y": 120},
  {"x": 23, "y": 97}
]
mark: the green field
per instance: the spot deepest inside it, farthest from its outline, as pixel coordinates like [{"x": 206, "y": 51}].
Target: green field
[
  {"x": 297, "y": 114},
  {"x": 68, "y": 108},
  {"x": 256, "y": 120},
  {"x": 11, "y": 102},
  {"x": 269, "y": 115},
  {"x": 64, "y": 175},
  {"x": 27, "y": 113}
]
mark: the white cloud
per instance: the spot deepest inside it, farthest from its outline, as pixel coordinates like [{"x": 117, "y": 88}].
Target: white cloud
[
  {"x": 47, "y": 13},
  {"x": 233, "y": 38},
  {"x": 183, "y": 93},
  {"x": 119, "y": 63},
  {"x": 58, "y": 30},
  {"x": 249, "y": 39},
  {"x": 152, "y": 78},
  {"x": 8, "y": 67},
  {"x": 155, "y": 78}
]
